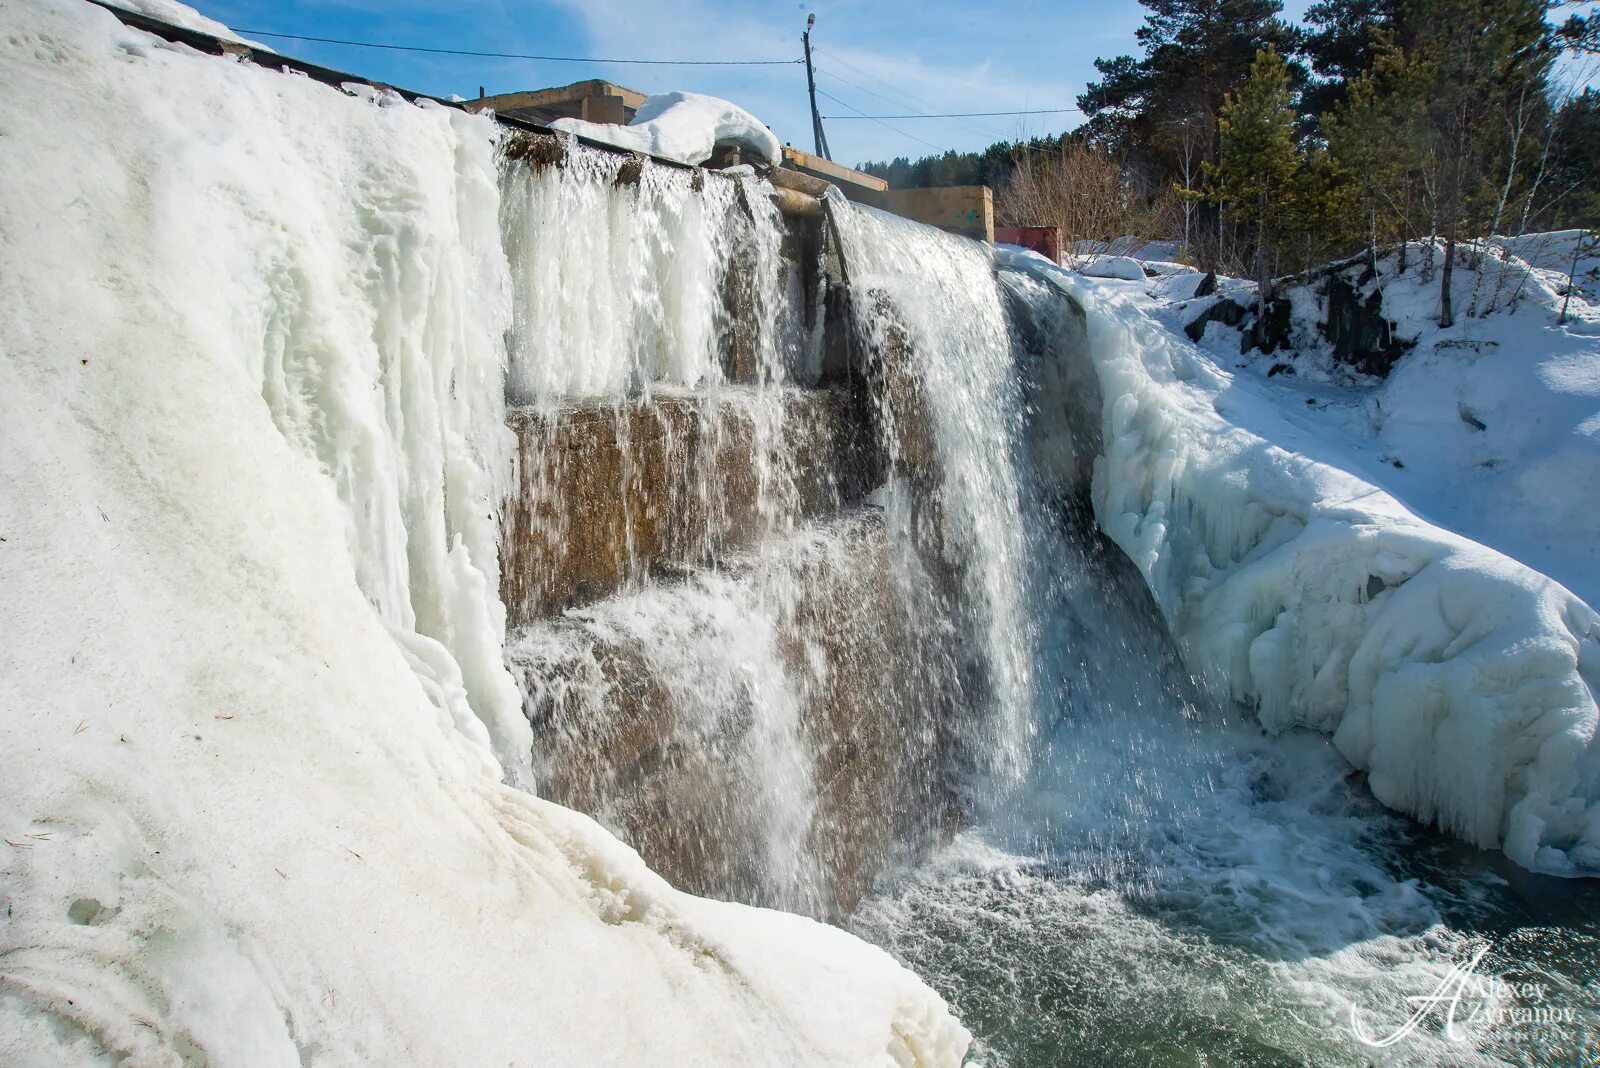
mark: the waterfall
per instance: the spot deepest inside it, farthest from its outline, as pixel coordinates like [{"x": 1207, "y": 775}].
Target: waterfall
[
  {"x": 929, "y": 307},
  {"x": 738, "y": 432},
  {"x": 810, "y": 607},
  {"x": 388, "y": 494}
]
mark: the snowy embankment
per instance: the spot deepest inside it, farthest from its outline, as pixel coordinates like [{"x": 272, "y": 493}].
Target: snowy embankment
[
  {"x": 1490, "y": 427},
  {"x": 1461, "y": 681},
  {"x": 253, "y": 716}
]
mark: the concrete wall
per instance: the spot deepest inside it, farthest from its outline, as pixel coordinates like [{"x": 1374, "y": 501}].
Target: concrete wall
[{"x": 967, "y": 210}]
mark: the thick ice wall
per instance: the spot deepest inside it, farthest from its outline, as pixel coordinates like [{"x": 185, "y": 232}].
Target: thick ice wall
[
  {"x": 249, "y": 372},
  {"x": 1461, "y": 681}
]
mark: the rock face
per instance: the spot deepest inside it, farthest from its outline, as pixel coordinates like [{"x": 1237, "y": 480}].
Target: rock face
[
  {"x": 734, "y": 653},
  {"x": 724, "y": 654},
  {"x": 654, "y": 732},
  {"x": 1224, "y": 311},
  {"x": 1358, "y": 331},
  {"x": 611, "y": 494}
]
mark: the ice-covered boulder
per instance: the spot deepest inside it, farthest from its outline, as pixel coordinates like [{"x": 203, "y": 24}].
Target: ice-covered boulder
[{"x": 1124, "y": 267}]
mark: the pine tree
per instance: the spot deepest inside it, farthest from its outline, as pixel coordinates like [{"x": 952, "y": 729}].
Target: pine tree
[
  {"x": 1377, "y": 140},
  {"x": 1256, "y": 177},
  {"x": 1575, "y": 169},
  {"x": 1195, "y": 53},
  {"x": 1491, "y": 60},
  {"x": 1344, "y": 40}
]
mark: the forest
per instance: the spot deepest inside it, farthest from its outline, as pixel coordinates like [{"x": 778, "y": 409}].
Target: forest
[{"x": 1263, "y": 146}]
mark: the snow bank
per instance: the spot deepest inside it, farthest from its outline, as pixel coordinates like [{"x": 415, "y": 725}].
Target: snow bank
[
  {"x": 1461, "y": 681},
  {"x": 1559, "y": 255},
  {"x": 1490, "y": 427},
  {"x": 685, "y": 127},
  {"x": 176, "y": 14},
  {"x": 1124, "y": 267},
  {"x": 251, "y": 688}
]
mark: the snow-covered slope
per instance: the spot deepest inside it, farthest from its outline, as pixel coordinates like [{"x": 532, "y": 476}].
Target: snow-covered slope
[
  {"x": 1490, "y": 428},
  {"x": 251, "y": 691},
  {"x": 1461, "y": 681}
]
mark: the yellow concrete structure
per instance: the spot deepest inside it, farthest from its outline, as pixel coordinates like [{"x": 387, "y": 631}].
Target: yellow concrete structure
[{"x": 593, "y": 100}]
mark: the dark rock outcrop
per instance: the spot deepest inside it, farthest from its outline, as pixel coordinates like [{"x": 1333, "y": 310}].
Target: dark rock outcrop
[{"x": 1356, "y": 328}]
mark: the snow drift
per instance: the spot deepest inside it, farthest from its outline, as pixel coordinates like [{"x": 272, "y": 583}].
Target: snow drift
[
  {"x": 1461, "y": 681},
  {"x": 254, "y": 714},
  {"x": 686, "y": 127}
]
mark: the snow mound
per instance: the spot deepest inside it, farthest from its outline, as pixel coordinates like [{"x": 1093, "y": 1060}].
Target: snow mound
[
  {"x": 686, "y": 127},
  {"x": 1560, "y": 255},
  {"x": 1124, "y": 267},
  {"x": 1461, "y": 681},
  {"x": 251, "y": 687}
]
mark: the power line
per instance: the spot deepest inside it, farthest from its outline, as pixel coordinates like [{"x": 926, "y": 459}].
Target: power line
[
  {"x": 954, "y": 114},
  {"x": 880, "y": 122},
  {"x": 519, "y": 55},
  {"x": 902, "y": 97},
  {"x": 959, "y": 123}
]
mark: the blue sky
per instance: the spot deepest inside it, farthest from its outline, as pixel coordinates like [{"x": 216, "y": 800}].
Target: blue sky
[{"x": 879, "y": 56}]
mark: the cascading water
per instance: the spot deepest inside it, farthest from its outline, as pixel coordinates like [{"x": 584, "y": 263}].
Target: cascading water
[
  {"x": 686, "y": 616},
  {"x": 951, "y": 410},
  {"x": 1164, "y": 884},
  {"x": 788, "y": 625}
]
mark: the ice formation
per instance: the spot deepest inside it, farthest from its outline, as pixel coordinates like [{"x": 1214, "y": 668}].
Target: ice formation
[
  {"x": 1460, "y": 680},
  {"x": 255, "y": 711},
  {"x": 685, "y": 127}
]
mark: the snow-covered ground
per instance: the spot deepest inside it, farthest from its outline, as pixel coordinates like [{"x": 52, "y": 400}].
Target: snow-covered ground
[
  {"x": 254, "y": 719},
  {"x": 1394, "y": 563}
]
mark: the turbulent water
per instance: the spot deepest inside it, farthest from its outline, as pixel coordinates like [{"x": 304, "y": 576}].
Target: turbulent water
[{"x": 1164, "y": 884}]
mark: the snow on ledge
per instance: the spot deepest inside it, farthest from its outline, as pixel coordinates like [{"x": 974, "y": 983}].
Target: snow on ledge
[
  {"x": 1460, "y": 680},
  {"x": 685, "y": 127}
]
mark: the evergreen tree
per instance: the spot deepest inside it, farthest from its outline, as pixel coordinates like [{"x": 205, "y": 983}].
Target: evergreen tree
[
  {"x": 1195, "y": 53},
  {"x": 1575, "y": 166},
  {"x": 1490, "y": 60},
  {"x": 1257, "y": 174},
  {"x": 1581, "y": 33},
  {"x": 1377, "y": 139},
  {"x": 1342, "y": 44}
]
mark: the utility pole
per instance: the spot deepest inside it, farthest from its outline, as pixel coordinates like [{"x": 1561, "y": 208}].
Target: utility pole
[{"x": 811, "y": 87}]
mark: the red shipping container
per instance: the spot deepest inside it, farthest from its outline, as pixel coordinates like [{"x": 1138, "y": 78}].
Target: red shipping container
[{"x": 1045, "y": 240}]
